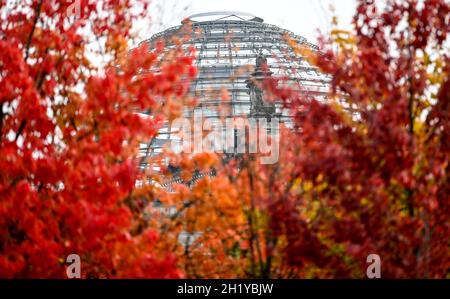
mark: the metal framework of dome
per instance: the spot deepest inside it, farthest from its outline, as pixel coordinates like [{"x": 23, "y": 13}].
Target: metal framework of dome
[{"x": 230, "y": 48}]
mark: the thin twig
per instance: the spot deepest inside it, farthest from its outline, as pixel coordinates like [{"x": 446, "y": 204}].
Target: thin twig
[{"x": 30, "y": 36}]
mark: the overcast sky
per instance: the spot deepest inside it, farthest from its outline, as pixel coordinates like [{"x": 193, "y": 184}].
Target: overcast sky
[{"x": 303, "y": 17}]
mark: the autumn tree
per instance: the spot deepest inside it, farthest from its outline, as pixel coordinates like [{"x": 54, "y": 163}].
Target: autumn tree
[
  {"x": 374, "y": 161},
  {"x": 365, "y": 172},
  {"x": 69, "y": 132}
]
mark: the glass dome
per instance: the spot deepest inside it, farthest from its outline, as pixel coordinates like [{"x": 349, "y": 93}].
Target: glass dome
[{"x": 229, "y": 47}]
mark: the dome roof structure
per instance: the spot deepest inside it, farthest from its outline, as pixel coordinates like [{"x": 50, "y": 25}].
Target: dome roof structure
[{"x": 230, "y": 46}]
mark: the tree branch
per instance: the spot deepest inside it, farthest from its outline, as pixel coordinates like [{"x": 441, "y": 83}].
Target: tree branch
[
  {"x": 30, "y": 36},
  {"x": 20, "y": 130}
]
